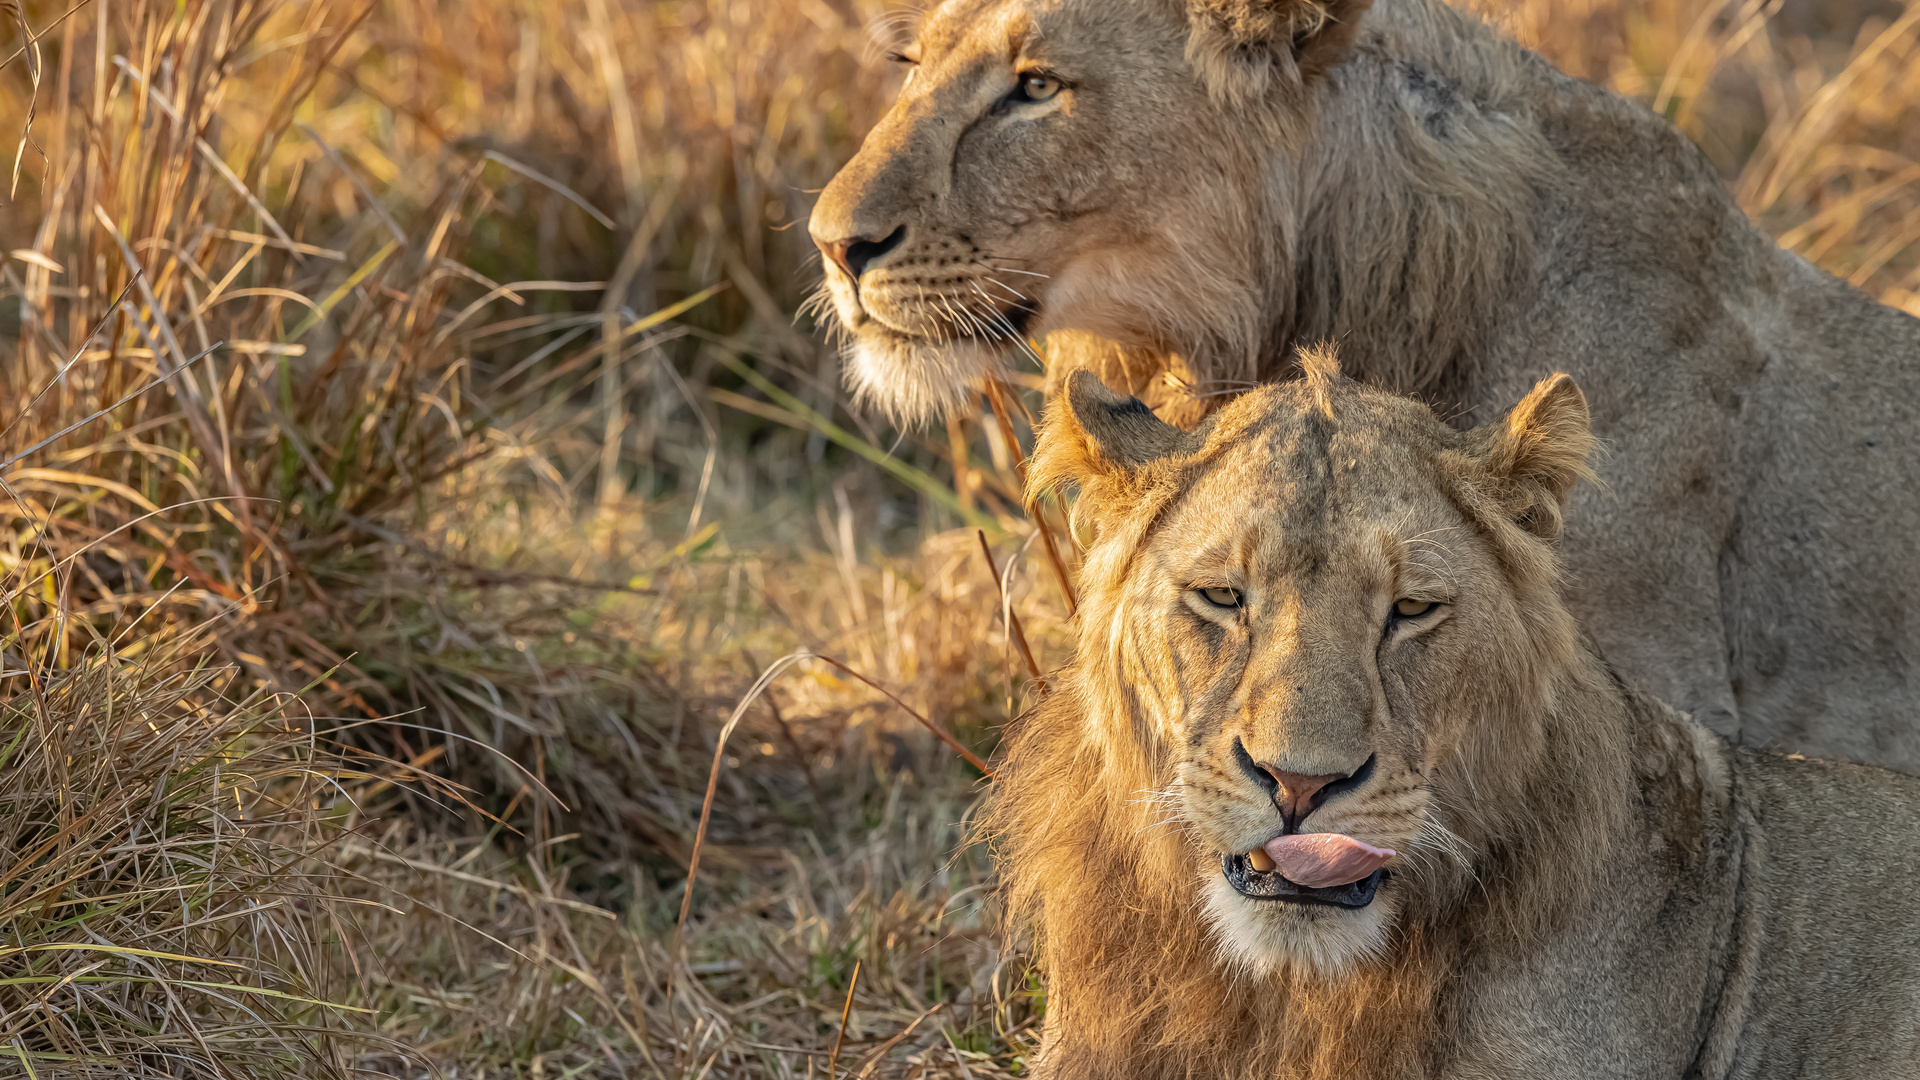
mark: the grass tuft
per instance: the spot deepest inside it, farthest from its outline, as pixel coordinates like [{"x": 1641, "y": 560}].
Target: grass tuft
[{"x": 167, "y": 904}]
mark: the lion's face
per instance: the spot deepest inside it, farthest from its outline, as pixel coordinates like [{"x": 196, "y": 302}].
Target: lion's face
[
  {"x": 1050, "y": 165},
  {"x": 1313, "y": 611},
  {"x": 1321, "y": 618},
  {"x": 1321, "y": 604}
]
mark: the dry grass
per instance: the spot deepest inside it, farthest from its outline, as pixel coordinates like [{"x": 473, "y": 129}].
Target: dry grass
[
  {"x": 167, "y": 901},
  {"x": 420, "y": 428}
]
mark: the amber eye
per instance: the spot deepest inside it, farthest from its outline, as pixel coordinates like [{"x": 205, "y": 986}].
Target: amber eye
[
  {"x": 1412, "y": 609},
  {"x": 1038, "y": 86},
  {"x": 1223, "y": 598}
]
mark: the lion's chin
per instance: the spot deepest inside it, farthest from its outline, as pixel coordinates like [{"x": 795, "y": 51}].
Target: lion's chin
[
  {"x": 1261, "y": 937},
  {"x": 916, "y": 382}
]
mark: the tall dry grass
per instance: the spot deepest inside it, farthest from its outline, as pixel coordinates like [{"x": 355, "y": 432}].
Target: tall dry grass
[
  {"x": 434, "y": 417},
  {"x": 168, "y": 901}
]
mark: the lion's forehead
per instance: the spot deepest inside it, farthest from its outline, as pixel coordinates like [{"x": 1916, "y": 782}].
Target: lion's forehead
[
  {"x": 1110, "y": 33},
  {"x": 967, "y": 25},
  {"x": 1290, "y": 493}
]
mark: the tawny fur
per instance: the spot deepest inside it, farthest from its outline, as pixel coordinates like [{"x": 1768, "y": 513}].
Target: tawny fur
[
  {"x": 1589, "y": 883},
  {"x": 1220, "y": 182}
]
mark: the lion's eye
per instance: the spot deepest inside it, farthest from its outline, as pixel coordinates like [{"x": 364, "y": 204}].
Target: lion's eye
[
  {"x": 1224, "y": 598},
  {"x": 1412, "y": 609},
  {"x": 1038, "y": 86}
]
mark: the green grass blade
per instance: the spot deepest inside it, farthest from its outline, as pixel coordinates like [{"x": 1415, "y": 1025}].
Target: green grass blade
[
  {"x": 78, "y": 946},
  {"x": 914, "y": 478},
  {"x": 314, "y": 315},
  {"x": 94, "y": 980}
]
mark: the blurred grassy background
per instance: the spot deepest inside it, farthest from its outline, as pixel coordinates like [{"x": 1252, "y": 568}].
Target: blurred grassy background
[{"x": 425, "y": 457}]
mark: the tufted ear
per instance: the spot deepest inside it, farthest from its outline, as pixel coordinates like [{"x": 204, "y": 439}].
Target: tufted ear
[
  {"x": 1538, "y": 451},
  {"x": 1244, "y": 48},
  {"x": 1100, "y": 441}
]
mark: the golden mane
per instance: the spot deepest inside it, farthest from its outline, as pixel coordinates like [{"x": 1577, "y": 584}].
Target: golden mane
[{"x": 1405, "y": 238}]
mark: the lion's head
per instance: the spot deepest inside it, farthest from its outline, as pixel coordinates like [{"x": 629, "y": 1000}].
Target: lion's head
[
  {"x": 1059, "y": 165},
  {"x": 1323, "y": 627},
  {"x": 1172, "y": 191}
]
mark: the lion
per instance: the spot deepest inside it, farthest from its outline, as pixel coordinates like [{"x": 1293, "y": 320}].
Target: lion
[
  {"x": 1175, "y": 195},
  {"x": 1334, "y": 786}
]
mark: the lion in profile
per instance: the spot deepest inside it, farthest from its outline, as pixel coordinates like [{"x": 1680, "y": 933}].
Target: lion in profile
[
  {"x": 1175, "y": 194},
  {"x": 1335, "y": 788}
]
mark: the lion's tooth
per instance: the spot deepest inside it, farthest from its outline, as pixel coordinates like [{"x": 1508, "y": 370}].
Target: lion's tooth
[{"x": 1260, "y": 859}]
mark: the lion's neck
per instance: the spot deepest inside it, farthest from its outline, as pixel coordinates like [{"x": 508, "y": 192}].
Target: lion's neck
[
  {"x": 1410, "y": 231},
  {"x": 1441, "y": 174}
]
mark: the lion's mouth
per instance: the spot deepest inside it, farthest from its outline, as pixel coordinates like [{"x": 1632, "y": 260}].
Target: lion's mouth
[
  {"x": 1271, "y": 885},
  {"x": 940, "y": 320}
]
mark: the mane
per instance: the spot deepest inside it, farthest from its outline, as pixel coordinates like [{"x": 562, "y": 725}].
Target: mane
[
  {"x": 1391, "y": 206},
  {"x": 1097, "y": 870},
  {"x": 1419, "y": 198}
]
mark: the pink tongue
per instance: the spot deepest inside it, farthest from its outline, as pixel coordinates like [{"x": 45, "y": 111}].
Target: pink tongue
[{"x": 1323, "y": 860}]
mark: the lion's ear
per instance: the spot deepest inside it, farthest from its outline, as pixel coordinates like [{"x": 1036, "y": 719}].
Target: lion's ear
[
  {"x": 1098, "y": 440},
  {"x": 1539, "y": 450},
  {"x": 1243, "y": 48}
]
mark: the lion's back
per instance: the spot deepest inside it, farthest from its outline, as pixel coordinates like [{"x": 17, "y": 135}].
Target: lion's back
[{"x": 1824, "y": 955}]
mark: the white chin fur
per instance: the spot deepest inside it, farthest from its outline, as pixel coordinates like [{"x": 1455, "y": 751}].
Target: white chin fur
[
  {"x": 1260, "y": 937},
  {"x": 916, "y": 382}
]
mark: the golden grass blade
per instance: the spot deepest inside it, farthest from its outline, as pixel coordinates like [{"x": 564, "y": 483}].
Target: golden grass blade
[
  {"x": 32, "y": 50},
  {"x": 846, "y": 1010},
  {"x": 713, "y": 783},
  {"x": 510, "y": 290},
  {"x": 997, "y": 395},
  {"x": 1012, "y": 619},
  {"x": 63, "y": 476},
  {"x": 62, "y": 18},
  {"x": 115, "y": 949}
]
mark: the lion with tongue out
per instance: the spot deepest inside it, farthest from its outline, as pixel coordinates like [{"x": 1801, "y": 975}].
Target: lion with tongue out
[{"x": 1335, "y": 787}]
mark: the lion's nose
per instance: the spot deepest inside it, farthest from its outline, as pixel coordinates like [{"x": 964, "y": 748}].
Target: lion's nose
[
  {"x": 856, "y": 254},
  {"x": 1300, "y": 794}
]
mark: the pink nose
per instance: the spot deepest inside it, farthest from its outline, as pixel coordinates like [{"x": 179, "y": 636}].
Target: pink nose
[
  {"x": 855, "y": 254},
  {"x": 836, "y": 253},
  {"x": 1296, "y": 795}
]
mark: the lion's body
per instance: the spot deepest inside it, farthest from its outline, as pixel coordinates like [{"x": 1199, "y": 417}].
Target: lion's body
[
  {"x": 1461, "y": 219},
  {"x": 1587, "y": 883}
]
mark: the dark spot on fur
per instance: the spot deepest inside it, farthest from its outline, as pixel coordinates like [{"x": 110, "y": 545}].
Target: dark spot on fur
[{"x": 1438, "y": 97}]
